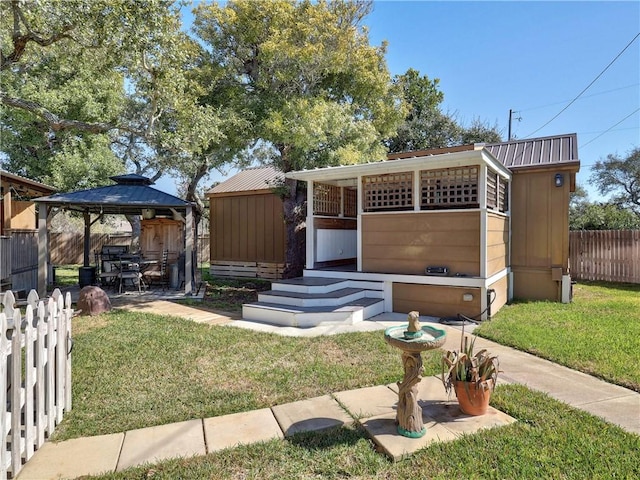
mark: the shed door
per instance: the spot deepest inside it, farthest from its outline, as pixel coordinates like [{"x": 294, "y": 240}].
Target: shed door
[{"x": 159, "y": 234}]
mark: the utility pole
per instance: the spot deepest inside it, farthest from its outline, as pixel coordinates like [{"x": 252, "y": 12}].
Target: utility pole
[
  {"x": 511, "y": 112},
  {"x": 510, "y": 117}
]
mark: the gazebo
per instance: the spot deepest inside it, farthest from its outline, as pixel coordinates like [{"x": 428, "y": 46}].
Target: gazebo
[{"x": 130, "y": 195}]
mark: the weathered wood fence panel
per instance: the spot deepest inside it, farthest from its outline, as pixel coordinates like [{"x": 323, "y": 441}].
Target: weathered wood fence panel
[
  {"x": 33, "y": 396},
  {"x": 24, "y": 259},
  {"x": 5, "y": 262},
  {"x": 608, "y": 255},
  {"x": 19, "y": 260},
  {"x": 68, "y": 248}
]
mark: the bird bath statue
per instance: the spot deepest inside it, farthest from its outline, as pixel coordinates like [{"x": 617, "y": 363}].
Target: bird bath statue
[{"x": 412, "y": 340}]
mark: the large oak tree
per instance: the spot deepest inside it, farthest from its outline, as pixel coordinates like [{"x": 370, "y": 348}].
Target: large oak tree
[{"x": 318, "y": 93}]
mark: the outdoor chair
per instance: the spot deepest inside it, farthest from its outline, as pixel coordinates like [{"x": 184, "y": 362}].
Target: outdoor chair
[
  {"x": 130, "y": 271},
  {"x": 107, "y": 273},
  {"x": 160, "y": 276}
]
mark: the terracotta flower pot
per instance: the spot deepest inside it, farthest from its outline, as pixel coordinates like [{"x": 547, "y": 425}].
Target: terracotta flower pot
[{"x": 473, "y": 400}]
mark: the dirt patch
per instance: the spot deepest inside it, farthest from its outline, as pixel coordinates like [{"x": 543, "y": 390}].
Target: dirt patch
[{"x": 230, "y": 294}]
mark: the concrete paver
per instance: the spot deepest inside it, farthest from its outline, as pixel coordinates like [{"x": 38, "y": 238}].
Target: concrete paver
[
  {"x": 153, "y": 444},
  {"x": 368, "y": 402},
  {"x": 73, "y": 458},
  {"x": 240, "y": 428},
  {"x": 314, "y": 414},
  {"x": 442, "y": 418}
]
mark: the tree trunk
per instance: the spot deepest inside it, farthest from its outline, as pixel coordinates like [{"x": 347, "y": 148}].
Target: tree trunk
[
  {"x": 294, "y": 207},
  {"x": 136, "y": 229}
]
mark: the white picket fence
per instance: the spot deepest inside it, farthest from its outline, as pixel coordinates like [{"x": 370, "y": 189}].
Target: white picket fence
[{"x": 35, "y": 372}]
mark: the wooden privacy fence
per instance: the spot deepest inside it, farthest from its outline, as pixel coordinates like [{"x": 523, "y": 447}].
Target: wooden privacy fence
[
  {"x": 35, "y": 372},
  {"x": 19, "y": 260},
  {"x": 68, "y": 248},
  {"x": 609, "y": 255}
]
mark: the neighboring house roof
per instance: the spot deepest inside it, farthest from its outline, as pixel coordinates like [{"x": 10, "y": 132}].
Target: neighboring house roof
[
  {"x": 128, "y": 196},
  {"x": 25, "y": 186},
  {"x": 537, "y": 152},
  {"x": 249, "y": 180}
]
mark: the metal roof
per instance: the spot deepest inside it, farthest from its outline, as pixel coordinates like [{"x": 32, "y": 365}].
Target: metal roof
[
  {"x": 25, "y": 186},
  {"x": 537, "y": 152},
  {"x": 129, "y": 196},
  {"x": 251, "y": 179}
]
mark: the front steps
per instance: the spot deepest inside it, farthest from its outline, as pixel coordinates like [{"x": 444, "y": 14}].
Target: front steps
[{"x": 309, "y": 301}]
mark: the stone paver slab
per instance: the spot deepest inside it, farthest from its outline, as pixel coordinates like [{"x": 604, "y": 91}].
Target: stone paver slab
[
  {"x": 383, "y": 431},
  {"x": 240, "y": 428},
  {"x": 368, "y": 402},
  {"x": 74, "y": 458},
  {"x": 319, "y": 413},
  {"x": 154, "y": 444}
]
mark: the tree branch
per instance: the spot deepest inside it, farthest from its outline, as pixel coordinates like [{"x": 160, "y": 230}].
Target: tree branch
[
  {"x": 56, "y": 123},
  {"x": 20, "y": 40}
]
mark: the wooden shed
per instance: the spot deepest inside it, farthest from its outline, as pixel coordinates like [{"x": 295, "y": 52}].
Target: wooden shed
[
  {"x": 18, "y": 234},
  {"x": 246, "y": 225}
]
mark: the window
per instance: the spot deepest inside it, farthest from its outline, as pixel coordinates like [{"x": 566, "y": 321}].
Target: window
[
  {"x": 449, "y": 188},
  {"x": 389, "y": 192}
]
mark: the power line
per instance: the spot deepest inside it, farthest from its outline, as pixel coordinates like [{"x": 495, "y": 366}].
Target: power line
[
  {"x": 611, "y": 128},
  {"x": 586, "y": 88},
  {"x": 585, "y": 96}
]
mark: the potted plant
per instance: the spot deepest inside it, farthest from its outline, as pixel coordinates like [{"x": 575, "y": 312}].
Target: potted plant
[{"x": 471, "y": 375}]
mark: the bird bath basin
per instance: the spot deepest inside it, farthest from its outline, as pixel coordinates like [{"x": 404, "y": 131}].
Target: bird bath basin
[{"x": 412, "y": 339}]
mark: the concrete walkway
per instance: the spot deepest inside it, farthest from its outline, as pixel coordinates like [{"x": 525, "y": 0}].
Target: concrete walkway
[{"x": 373, "y": 408}]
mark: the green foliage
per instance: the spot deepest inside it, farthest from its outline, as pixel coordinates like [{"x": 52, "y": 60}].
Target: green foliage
[
  {"x": 621, "y": 177},
  {"x": 317, "y": 91},
  {"x": 586, "y": 215},
  {"x": 466, "y": 365},
  {"x": 425, "y": 126}
]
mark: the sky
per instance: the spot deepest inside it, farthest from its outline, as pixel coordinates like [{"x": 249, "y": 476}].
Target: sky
[{"x": 534, "y": 58}]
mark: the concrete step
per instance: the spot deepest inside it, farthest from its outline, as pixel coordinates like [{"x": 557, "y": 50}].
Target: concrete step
[
  {"x": 294, "y": 316},
  {"x": 322, "y": 285},
  {"x": 329, "y": 299}
]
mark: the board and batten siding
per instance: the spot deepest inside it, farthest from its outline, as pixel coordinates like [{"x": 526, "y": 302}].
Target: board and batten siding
[
  {"x": 407, "y": 243},
  {"x": 435, "y": 300},
  {"x": 501, "y": 287},
  {"x": 540, "y": 233},
  {"x": 497, "y": 243},
  {"x": 247, "y": 228}
]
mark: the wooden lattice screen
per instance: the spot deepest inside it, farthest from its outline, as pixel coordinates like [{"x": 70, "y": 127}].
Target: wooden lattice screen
[
  {"x": 326, "y": 199},
  {"x": 350, "y": 202},
  {"x": 449, "y": 187},
  {"x": 388, "y": 192},
  {"x": 492, "y": 187},
  {"x": 503, "y": 195}
]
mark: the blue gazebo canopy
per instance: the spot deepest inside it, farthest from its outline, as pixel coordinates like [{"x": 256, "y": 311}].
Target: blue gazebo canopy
[{"x": 128, "y": 196}]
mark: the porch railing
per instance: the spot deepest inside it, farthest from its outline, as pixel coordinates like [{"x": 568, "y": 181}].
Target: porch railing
[{"x": 35, "y": 371}]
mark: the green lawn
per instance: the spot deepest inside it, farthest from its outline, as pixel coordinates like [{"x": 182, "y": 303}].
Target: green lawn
[
  {"x": 134, "y": 370},
  {"x": 598, "y": 333},
  {"x": 550, "y": 440}
]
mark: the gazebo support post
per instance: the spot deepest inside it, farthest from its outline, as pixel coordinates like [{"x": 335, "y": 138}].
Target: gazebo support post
[
  {"x": 188, "y": 259},
  {"x": 87, "y": 236},
  {"x": 43, "y": 250}
]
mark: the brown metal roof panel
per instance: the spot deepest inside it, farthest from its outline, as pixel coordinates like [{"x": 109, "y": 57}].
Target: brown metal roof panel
[
  {"x": 251, "y": 179},
  {"x": 536, "y": 151}
]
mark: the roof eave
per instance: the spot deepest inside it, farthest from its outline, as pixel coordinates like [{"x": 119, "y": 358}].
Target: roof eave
[{"x": 445, "y": 160}]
